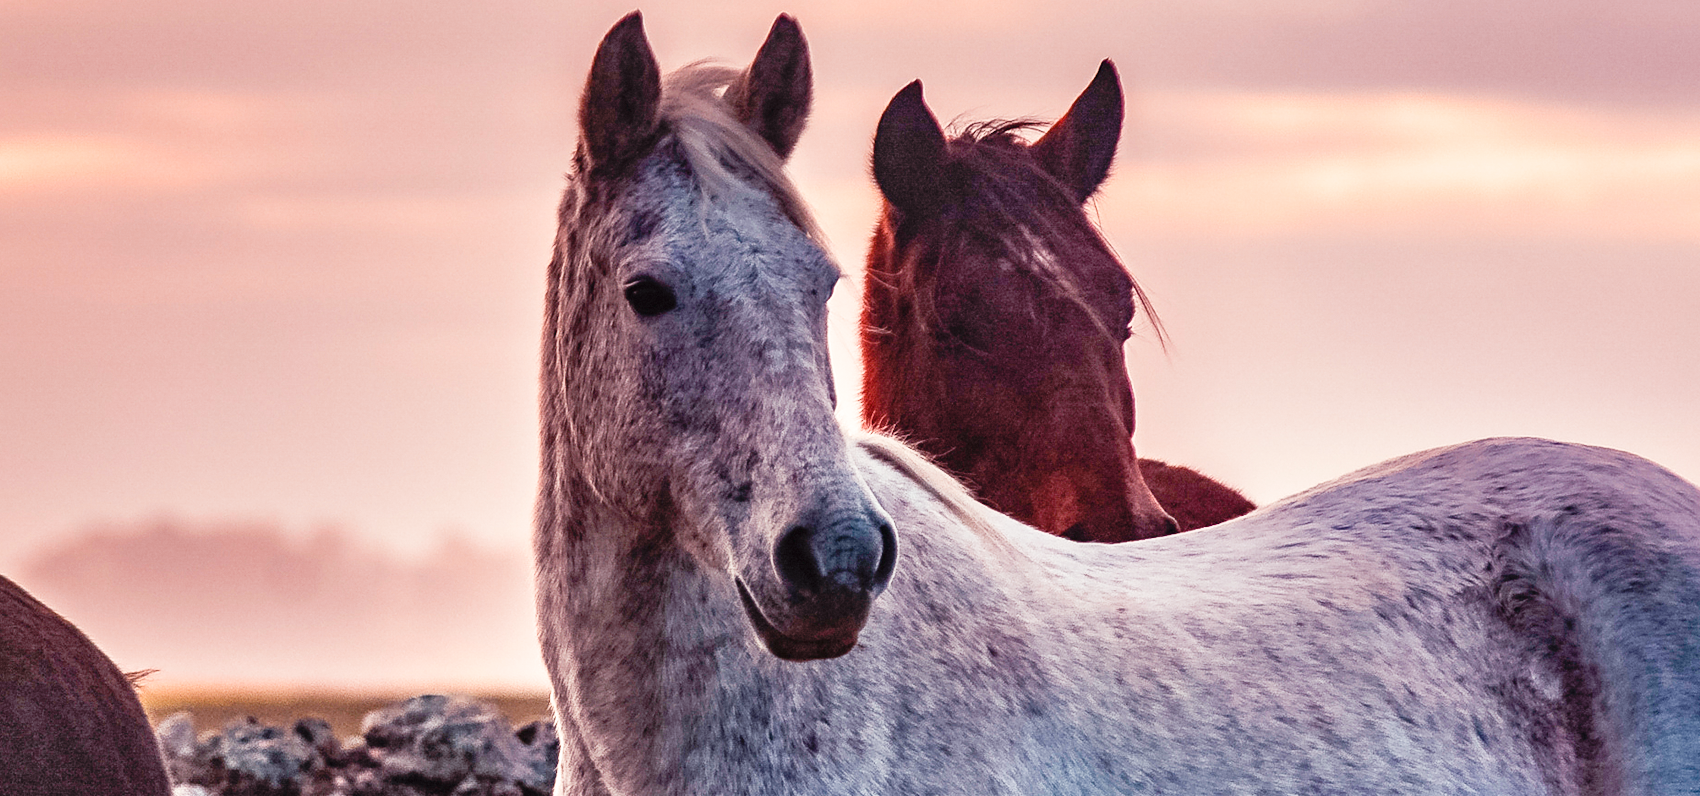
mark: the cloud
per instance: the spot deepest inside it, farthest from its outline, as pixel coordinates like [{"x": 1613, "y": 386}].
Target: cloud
[
  {"x": 59, "y": 163},
  {"x": 1551, "y": 49},
  {"x": 1249, "y": 164}
]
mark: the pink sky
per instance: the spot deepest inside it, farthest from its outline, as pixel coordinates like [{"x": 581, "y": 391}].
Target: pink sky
[{"x": 285, "y": 261}]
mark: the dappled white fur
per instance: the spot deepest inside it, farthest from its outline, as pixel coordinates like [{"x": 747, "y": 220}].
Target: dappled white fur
[
  {"x": 1347, "y": 639},
  {"x": 1501, "y": 617}
]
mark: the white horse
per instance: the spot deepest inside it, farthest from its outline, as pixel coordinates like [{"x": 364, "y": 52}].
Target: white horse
[{"x": 725, "y": 606}]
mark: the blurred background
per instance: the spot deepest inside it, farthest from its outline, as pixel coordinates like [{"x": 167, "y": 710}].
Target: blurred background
[{"x": 270, "y": 274}]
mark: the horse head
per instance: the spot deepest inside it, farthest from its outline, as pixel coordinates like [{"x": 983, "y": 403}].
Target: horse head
[
  {"x": 995, "y": 315},
  {"x": 687, "y": 398}
]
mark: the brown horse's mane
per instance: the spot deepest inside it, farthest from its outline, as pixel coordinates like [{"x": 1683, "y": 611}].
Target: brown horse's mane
[{"x": 1006, "y": 204}]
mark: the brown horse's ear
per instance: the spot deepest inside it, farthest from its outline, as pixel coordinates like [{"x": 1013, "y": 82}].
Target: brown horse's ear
[
  {"x": 1077, "y": 150},
  {"x": 909, "y": 152},
  {"x": 773, "y": 96},
  {"x": 618, "y": 115}
]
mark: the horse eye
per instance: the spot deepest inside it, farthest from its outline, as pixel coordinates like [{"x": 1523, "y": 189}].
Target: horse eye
[{"x": 649, "y": 297}]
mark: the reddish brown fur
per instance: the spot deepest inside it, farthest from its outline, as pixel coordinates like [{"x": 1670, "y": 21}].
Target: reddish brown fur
[
  {"x": 1001, "y": 357},
  {"x": 70, "y": 722},
  {"x": 1194, "y": 499}
]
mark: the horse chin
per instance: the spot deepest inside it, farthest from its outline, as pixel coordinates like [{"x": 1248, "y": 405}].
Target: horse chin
[{"x": 790, "y": 648}]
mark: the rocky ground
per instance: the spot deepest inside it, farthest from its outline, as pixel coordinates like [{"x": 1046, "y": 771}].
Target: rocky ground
[{"x": 424, "y": 746}]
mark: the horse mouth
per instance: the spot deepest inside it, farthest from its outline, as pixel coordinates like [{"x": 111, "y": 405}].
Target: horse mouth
[{"x": 787, "y": 647}]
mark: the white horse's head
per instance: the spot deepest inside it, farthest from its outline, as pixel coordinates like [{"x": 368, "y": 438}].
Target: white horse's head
[{"x": 686, "y": 385}]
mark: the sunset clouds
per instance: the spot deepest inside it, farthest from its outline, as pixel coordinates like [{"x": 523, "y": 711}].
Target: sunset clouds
[{"x": 1249, "y": 164}]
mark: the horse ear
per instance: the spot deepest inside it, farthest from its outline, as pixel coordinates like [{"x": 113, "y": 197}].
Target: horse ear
[
  {"x": 1077, "y": 150},
  {"x": 618, "y": 114},
  {"x": 909, "y": 152},
  {"x": 773, "y": 96}
]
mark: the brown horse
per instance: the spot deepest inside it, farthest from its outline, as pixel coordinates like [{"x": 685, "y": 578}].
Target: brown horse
[
  {"x": 70, "y": 723},
  {"x": 993, "y": 321}
]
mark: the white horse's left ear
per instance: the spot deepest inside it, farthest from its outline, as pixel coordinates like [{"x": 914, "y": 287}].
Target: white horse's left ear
[
  {"x": 1078, "y": 149},
  {"x": 774, "y": 95}
]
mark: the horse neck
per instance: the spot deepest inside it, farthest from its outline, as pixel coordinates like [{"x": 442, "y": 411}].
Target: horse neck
[
  {"x": 605, "y": 575},
  {"x": 636, "y": 638}
]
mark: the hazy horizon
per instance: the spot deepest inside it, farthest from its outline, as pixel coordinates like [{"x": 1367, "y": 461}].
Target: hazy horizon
[{"x": 244, "y": 605}]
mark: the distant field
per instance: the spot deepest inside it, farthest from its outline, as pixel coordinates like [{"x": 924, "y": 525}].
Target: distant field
[{"x": 212, "y": 709}]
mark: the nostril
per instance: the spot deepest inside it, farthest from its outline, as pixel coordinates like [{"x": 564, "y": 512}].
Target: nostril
[
  {"x": 1170, "y": 526},
  {"x": 1076, "y": 533},
  {"x": 795, "y": 561}
]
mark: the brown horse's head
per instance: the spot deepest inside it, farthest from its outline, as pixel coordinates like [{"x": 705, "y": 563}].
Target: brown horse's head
[{"x": 995, "y": 314}]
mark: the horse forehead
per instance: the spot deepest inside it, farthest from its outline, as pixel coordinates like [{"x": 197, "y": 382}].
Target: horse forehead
[
  {"x": 758, "y": 252},
  {"x": 738, "y": 232},
  {"x": 1048, "y": 292}
]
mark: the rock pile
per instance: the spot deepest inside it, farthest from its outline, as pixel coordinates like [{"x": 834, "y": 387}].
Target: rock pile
[{"x": 425, "y": 746}]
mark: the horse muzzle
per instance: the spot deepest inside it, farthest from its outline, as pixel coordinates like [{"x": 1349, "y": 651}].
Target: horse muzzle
[{"x": 826, "y": 577}]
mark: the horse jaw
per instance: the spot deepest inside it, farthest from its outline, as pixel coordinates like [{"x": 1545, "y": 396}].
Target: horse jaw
[{"x": 788, "y": 648}]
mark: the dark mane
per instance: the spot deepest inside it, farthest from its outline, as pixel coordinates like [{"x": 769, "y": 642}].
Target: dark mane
[{"x": 1003, "y": 204}]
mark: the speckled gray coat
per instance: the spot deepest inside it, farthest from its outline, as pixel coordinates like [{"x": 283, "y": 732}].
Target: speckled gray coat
[{"x": 1508, "y": 616}]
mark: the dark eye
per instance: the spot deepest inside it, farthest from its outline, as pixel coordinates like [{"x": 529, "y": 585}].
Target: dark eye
[{"x": 649, "y": 297}]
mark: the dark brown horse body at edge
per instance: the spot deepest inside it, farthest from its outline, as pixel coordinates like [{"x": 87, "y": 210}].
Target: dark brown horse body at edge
[
  {"x": 70, "y": 723},
  {"x": 994, "y": 316}
]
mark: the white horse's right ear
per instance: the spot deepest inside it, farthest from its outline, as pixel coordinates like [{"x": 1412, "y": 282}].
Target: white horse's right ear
[
  {"x": 618, "y": 114},
  {"x": 909, "y": 151}
]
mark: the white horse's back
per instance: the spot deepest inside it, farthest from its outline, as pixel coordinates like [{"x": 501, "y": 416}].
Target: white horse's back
[{"x": 1504, "y": 616}]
